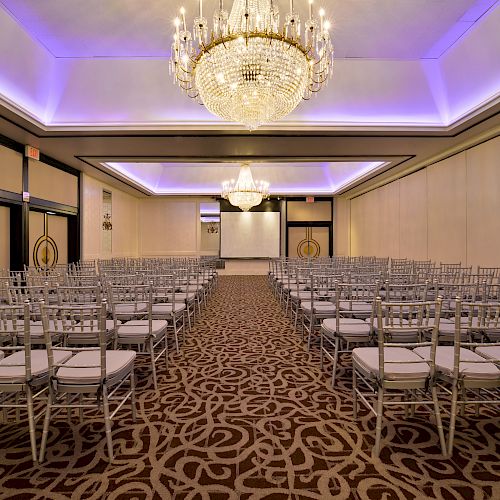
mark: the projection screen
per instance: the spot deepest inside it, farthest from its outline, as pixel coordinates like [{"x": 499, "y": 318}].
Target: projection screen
[{"x": 249, "y": 234}]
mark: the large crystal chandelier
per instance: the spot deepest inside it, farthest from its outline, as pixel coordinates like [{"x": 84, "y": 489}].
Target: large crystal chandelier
[
  {"x": 245, "y": 192},
  {"x": 249, "y": 68}
]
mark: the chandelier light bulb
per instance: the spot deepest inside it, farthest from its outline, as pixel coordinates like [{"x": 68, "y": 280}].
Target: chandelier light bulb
[{"x": 248, "y": 67}]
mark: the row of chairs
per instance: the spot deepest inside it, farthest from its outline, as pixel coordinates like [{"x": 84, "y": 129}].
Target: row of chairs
[
  {"x": 378, "y": 317},
  {"x": 67, "y": 347}
]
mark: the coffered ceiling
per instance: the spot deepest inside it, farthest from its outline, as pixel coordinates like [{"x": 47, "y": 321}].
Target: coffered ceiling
[{"x": 87, "y": 81}]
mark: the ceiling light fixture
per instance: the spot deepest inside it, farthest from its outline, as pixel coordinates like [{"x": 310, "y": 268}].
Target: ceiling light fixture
[
  {"x": 245, "y": 193},
  {"x": 249, "y": 68}
]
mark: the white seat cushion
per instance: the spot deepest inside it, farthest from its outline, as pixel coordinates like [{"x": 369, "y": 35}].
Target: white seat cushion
[
  {"x": 447, "y": 332},
  {"x": 445, "y": 362},
  {"x": 358, "y": 306},
  {"x": 110, "y": 324},
  {"x": 12, "y": 368},
  {"x": 117, "y": 362},
  {"x": 300, "y": 295},
  {"x": 409, "y": 367},
  {"x": 489, "y": 352},
  {"x": 320, "y": 306},
  {"x": 167, "y": 308},
  {"x": 348, "y": 327},
  {"x": 140, "y": 328}
]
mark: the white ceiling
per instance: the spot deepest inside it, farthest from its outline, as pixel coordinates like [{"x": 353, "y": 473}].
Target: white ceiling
[
  {"x": 381, "y": 29},
  {"x": 290, "y": 178}
]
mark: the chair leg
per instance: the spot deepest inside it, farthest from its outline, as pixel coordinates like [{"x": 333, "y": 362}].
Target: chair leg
[
  {"x": 335, "y": 360},
  {"x": 31, "y": 422},
  {"x": 453, "y": 418},
  {"x": 80, "y": 410},
  {"x": 165, "y": 340},
  {"x": 378, "y": 430},
  {"x": 45, "y": 432},
  {"x": 176, "y": 334},
  {"x": 354, "y": 394},
  {"x": 321, "y": 344},
  {"x": 132, "y": 395},
  {"x": 439, "y": 423},
  {"x": 153, "y": 364},
  {"x": 107, "y": 422}
]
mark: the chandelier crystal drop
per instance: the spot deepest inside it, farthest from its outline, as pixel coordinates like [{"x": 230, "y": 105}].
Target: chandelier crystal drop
[
  {"x": 245, "y": 193},
  {"x": 248, "y": 68}
]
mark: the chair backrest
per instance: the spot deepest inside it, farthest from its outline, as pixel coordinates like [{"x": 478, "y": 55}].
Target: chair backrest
[
  {"x": 74, "y": 320},
  {"x": 398, "y": 329},
  {"x": 405, "y": 292},
  {"x": 406, "y": 321},
  {"x": 352, "y": 298},
  {"x": 130, "y": 301},
  {"x": 14, "y": 323},
  {"x": 78, "y": 295}
]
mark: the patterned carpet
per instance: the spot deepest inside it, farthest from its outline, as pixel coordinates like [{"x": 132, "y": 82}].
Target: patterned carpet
[{"x": 245, "y": 412}]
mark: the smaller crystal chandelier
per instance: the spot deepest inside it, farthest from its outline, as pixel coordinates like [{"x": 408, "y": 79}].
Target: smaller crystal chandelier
[{"x": 245, "y": 193}]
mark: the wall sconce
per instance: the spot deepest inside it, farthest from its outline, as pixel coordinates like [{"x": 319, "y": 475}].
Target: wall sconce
[
  {"x": 106, "y": 223},
  {"x": 212, "y": 228}
]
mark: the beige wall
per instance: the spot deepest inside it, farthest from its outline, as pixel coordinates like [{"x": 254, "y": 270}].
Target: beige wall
[
  {"x": 170, "y": 226},
  {"x": 4, "y": 238},
  {"x": 301, "y": 211},
  {"x": 49, "y": 183},
  {"x": 448, "y": 212},
  {"x": 124, "y": 219},
  {"x": 11, "y": 170}
]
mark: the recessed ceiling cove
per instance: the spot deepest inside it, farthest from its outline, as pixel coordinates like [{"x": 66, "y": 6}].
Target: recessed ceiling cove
[
  {"x": 94, "y": 65},
  {"x": 298, "y": 178}
]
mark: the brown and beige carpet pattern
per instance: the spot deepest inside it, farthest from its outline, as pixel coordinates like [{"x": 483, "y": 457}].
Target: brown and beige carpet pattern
[{"x": 245, "y": 412}]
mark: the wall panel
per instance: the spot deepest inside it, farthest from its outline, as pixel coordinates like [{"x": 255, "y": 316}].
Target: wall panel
[
  {"x": 413, "y": 216},
  {"x": 447, "y": 212},
  {"x": 52, "y": 184},
  {"x": 169, "y": 227},
  {"x": 11, "y": 170},
  {"x": 483, "y": 204}
]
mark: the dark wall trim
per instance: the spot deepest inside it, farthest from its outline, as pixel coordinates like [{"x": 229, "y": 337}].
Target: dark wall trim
[
  {"x": 9, "y": 143},
  {"x": 9, "y": 197},
  {"x": 16, "y": 237},
  {"x": 59, "y": 165},
  {"x": 41, "y": 205},
  {"x": 25, "y": 219},
  {"x": 265, "y": 206}
]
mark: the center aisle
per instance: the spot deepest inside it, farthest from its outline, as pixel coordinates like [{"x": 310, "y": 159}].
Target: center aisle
[{"x": 250, "y": 406}]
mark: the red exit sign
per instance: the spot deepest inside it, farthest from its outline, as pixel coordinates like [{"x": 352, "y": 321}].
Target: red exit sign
[
  {"x": 310, "y": 199},
  {"x": 31, "y": 152}
]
